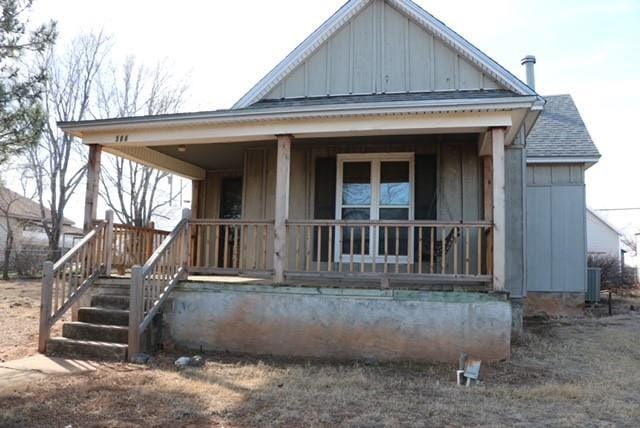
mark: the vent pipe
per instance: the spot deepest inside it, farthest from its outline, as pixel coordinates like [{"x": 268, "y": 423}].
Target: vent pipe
[{"x": 529, "y": 62}]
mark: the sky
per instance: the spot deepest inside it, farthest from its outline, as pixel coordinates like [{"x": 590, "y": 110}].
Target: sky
[{"x": 587, "y": 48}]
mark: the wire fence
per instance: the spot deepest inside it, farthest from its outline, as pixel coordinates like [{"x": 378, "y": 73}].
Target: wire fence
[{"x": 27, "y": 263}]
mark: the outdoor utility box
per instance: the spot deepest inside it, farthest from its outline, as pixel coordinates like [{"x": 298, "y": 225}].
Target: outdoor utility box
[{"x": 593, "y": 285}]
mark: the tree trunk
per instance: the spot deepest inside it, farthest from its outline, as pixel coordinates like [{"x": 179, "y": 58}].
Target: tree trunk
[{"x": 7, "y": 255}]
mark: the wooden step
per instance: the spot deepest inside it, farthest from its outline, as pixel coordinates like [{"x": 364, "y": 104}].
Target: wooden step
[
  {"x": 86, "y": 349},
  {"x": 110, "y": 301},
  {"x": 103, "y": 316},
  {"x": 95, "y": 332}
]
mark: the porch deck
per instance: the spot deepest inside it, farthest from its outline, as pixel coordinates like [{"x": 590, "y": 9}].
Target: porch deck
[{"x": 316, "y": 283}]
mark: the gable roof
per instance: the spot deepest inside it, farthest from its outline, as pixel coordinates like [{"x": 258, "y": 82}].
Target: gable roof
[
  {"x": 410, "y": 9},
  {"x": 560, "y": 134},
  {"x": 23, "y": 208},
  {"x": 602, "y": 220}
]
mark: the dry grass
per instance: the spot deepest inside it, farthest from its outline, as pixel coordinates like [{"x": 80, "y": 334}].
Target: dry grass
[
  {"x": 19, "y": 313},
  {"x": 563, "y": 373}
]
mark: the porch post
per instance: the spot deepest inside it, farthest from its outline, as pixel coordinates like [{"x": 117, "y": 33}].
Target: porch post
[
  {"x": 197, "y": 205},
  {"x": 499, "y": 210},
  {"x": 93, "y": 187},
  {"x": 282, "y": 207}
]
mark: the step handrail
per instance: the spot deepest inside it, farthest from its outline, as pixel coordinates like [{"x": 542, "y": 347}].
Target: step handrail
[
  {"x": 65, "y": 282},
  {"x": 152, "y": 283}
]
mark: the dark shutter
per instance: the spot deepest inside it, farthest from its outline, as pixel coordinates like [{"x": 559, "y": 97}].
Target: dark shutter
[
  {"x": 324, "y": 202},
  {"x": 426, "y": 204},
  {"x": 426, "y": 182}
]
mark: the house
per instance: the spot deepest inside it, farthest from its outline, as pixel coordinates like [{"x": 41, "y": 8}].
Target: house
[
  {"x": 368, "y": 198},
  {"x": 23, "y": 217},
  {"x": 603, "y": 239}
]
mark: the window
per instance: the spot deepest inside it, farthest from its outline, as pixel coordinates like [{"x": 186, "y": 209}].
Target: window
[{"x": 374, "y": 187}]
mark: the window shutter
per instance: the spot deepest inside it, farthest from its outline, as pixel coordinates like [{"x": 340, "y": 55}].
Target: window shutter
[
  {"x": 324, "y": 202},
  {"x": 426, "y": 182},
  {"x": 325, "y": 189}
]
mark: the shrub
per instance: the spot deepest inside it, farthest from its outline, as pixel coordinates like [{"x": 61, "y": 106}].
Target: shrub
[{"x": 612, "y": 276}]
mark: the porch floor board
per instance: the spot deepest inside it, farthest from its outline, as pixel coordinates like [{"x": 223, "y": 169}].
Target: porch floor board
[{"x": 338, "y": 283}]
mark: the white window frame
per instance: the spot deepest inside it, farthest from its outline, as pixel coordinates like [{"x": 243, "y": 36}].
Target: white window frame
[{"x": 376, "y": 159}]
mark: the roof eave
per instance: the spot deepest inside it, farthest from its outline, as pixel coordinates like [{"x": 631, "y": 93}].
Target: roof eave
[
  {"x": 589, "y": 161},
  {"x": 291, "y": 113}
]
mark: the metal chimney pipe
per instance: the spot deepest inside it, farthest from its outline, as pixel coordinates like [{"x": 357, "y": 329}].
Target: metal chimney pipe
[{"x": 529, "y": 62}]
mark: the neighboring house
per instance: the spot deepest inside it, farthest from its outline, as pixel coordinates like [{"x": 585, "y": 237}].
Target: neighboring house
[
  {"x": 25, "y": 221},
  {"x": 603, "y": 239},
  {"x": 384, "y": 192}
]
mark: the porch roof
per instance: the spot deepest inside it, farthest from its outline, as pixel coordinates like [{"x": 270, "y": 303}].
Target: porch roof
[{"x": 321, "y": 107}]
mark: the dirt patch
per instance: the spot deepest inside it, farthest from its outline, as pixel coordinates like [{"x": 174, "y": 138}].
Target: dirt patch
[
  {"x": 19, "y": 312},
  {"x": 568, "y": 372}
]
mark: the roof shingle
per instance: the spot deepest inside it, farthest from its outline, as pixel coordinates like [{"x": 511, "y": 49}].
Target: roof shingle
[{"x": 560, "y": 132}]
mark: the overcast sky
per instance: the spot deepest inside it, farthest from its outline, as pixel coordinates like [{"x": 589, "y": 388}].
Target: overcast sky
[{"x": 588, "y": 48}]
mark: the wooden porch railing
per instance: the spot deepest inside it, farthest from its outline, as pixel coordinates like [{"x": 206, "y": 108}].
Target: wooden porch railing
[
  {"x": 231, "y": 246},
  {"x": 134, "y": 245},
  {"x": 66, "y": 281},
  {"x": 432, "y": 250},
  {"x": 152, "y": 283}
]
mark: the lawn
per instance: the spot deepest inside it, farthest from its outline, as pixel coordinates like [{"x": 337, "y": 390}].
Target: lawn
[{"x": 563, "y": 373}]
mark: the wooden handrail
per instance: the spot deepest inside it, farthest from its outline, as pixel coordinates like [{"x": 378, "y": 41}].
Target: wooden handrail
[
  {"x": 231, "y": 222},
  {"x": 78, "y": 247},
  {"x": 133, "y": 245},
  {"x": 152, "y": 282},
  {"x": 231, "y": 247},
  {"x": 446, "y": 249},
  {"x": 390, "y": 223},
  {"x": 65, "y": 282}
]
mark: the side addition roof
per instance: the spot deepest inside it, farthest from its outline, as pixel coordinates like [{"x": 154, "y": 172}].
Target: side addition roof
[{"x": 560, "y": 135}]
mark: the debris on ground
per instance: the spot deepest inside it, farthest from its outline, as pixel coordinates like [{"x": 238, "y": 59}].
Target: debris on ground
[
  {"x": 468, "y": 370},
  {"x": 184, "y": 362},
  {"x": 141, "y": 359}
]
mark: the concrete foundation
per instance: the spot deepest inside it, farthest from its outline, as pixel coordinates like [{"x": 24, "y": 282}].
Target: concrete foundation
[
  {"x": 517, "y": 316},
  {"x": 554, "y": 304},
  {"x": 384, "y": 325}
]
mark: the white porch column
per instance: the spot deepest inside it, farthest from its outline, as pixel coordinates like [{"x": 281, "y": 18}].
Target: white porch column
[
  {"x": 282, "y": 207},
  {"x": 93, "y": 187},
  {"x": 499, "y": 210}
]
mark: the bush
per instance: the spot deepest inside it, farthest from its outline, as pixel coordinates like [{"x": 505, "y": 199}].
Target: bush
[{"x": 612, "y": 276}]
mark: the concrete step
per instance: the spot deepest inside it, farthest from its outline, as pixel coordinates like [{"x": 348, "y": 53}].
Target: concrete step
[
  {"x": 95, "y": 332},
  {"x": 113, "y": 286},
  {"x": 86, "y": 349},
  {"x": 110, "y": 301},
  {"x": 103, "y": 316}
]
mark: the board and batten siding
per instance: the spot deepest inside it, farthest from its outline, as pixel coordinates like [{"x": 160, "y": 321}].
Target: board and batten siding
[
  {"x": 459, "y": 175},
  {"x": 381, "y": 50},
  {"x": 459, "y": 193},
  {"x": 556, "y": 229}
]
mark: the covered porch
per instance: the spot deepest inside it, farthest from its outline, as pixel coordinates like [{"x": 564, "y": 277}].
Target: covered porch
[{"x": 405, "y": 208}]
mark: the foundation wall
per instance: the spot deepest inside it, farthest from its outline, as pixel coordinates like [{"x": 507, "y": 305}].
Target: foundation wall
[
  {"x": 554, "y": 304},
  {"x": 338, "y": 324}
]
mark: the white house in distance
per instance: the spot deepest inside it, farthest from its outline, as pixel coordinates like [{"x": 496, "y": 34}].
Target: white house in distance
[{"x": 603, "y": 239}]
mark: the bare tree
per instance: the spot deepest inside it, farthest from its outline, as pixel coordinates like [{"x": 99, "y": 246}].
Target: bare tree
[
  {"x": 630, "y": 241},
  {"x": 57, "y": 163},
  {"x": 136, "y": 193}
]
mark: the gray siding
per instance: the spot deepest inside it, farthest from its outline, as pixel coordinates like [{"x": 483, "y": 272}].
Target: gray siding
[
  {"x": 515, "y": 207},
  {"x": 378, "y": 51},
  {"x": 556, "y": 231}
]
